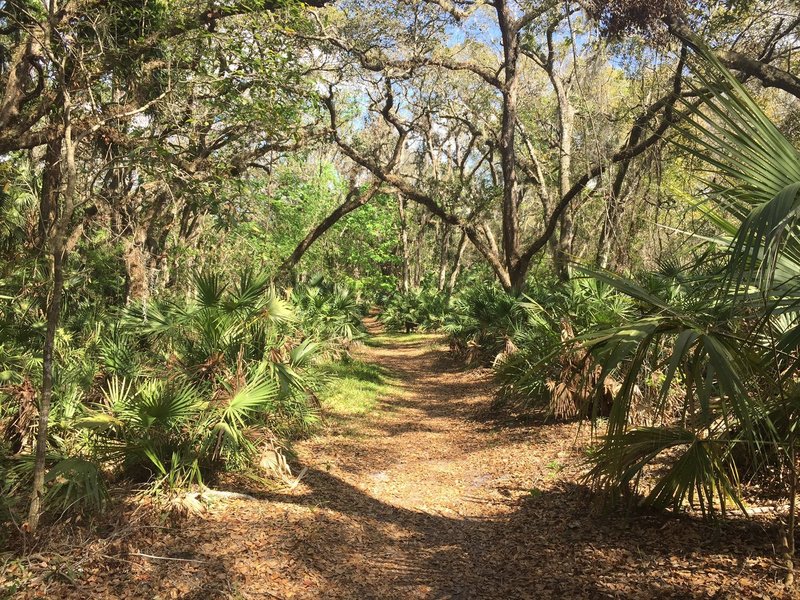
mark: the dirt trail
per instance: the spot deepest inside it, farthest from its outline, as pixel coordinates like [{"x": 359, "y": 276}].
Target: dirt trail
[{"x": 432, "y": 495}]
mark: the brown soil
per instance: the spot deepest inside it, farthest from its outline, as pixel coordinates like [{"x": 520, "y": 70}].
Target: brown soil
[{"x": 432, "y": 495}]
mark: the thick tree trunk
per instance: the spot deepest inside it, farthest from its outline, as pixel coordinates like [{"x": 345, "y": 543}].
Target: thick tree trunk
[{"x": 508, "y": 162}]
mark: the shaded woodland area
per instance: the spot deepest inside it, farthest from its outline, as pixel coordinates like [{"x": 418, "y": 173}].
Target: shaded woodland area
[{"x": 399, "y": 299}]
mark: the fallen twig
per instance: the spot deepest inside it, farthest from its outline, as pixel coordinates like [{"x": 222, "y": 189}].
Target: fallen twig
[
  {"x": 152, "y": 557},
  {"x": 220, "y": 494}
]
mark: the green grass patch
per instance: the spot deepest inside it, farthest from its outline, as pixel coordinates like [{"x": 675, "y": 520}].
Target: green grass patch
[
  {"x": 401, "y": 339},
  {"x": 555, "y": 468},
  {"x": 355, "y": 387}
]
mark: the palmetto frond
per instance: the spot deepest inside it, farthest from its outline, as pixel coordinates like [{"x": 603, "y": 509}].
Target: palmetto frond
[
  {"x": 700, "y": 469},
  {"x": 756, "y": 172},
  {"x": 237, "y": 410},
  {"x": 256, "y": 395},
  {"x": 209, "y": 288},
  {"x": 722, "y": 330},
  {"x": 161, "y": 405}
]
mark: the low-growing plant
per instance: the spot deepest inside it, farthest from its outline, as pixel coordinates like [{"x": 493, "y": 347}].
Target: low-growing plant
[{"x": 425, "y": 309}]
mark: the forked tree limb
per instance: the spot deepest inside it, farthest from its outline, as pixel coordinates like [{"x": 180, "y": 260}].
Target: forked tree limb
[
  {"x": 769, "y": 75},
  {"x": 633, "y": 147}
]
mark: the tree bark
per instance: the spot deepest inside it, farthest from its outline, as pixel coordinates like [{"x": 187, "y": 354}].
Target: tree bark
[
  {"x": 768, "y": 75},
  {"x": 135, "y": 259},
  {"x": 609, "y": 234},
  {"x": 40, "y": 461},
  {"x": 406, "y": 274},
  {"x": 60, "y": 246},
  {"x": 48, "y": 195},
  {"x": 462, "y": 244},
  {"x": 566, "y": 121},
  {"x": 444, "y": 247},
  {"x": 419, "y": 242},
  {"x": 508, "y": 158}
]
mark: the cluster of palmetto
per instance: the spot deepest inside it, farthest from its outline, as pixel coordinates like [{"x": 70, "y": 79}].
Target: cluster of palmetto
[
  {"x": 330, "y": 312},
  {"x": 172, "y": 393},
  {"x": 423, "y": 309},
  {"x": 522, "y": 337},
  {"x": 723, "y": 330},
  {"x": 541, "y": 365}
]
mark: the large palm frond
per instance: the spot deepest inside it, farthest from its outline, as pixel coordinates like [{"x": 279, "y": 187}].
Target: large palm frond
[
  {"x": 754, "y": 173},
  {"x": 721, "y": 330}
]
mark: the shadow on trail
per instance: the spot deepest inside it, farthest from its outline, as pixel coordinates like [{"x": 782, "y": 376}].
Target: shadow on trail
[
  {"x": 550, "y": 546},
  {"x": 545, "y": 543}
]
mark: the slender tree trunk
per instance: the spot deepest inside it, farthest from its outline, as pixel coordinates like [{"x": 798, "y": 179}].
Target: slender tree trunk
[
  {"x": 136, "y": 269},
  {"x": 40, "y": 464},
  {"x": 564, "y": 246},
  {"x": 609, "y": 235},
  {"x": 566, "y": 120},
  {"x": 791, "y": 524},
  {"x": 419, "y": 242},
  {"x": 462, "y": 244},
  {"x": 59, "y": 245},
  {"x": 406, "y": 276},
  {"x": 48, "y": 195},
  {"x": 445, "y": 243}
]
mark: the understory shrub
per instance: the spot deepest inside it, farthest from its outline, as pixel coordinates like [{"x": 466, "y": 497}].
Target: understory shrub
[
  {"x": 170, "y": 393},
  {"x": 425, "y": 309},
  {"x": 532, "y": 341}
]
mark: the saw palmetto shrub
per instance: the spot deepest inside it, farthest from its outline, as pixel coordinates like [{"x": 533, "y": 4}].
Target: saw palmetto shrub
[
  {"x": 170, "y": 393},
  {"x": 725, "y": 330}
]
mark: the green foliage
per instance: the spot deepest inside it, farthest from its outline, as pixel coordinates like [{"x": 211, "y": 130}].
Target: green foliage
[
  {"x": 171, "y": 393},
  {"x": 718, "y": 334},
  {"x": 529, "y": 340},
  {"x": 75, "y": 481},
  {"x": 329, "y": 313},
  {"x": 485, "y": 320},
  {"x": 424, "y": 309}
]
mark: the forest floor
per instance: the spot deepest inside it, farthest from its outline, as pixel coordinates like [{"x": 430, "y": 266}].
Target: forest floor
[{"x": 427, "y": 493}]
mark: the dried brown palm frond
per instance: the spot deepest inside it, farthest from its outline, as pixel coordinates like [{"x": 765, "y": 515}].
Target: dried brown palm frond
[{"x": 19, "y": 428}]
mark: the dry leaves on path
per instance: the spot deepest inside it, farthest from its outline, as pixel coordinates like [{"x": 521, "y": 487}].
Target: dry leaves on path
[{"x": 430, "y": 496}]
